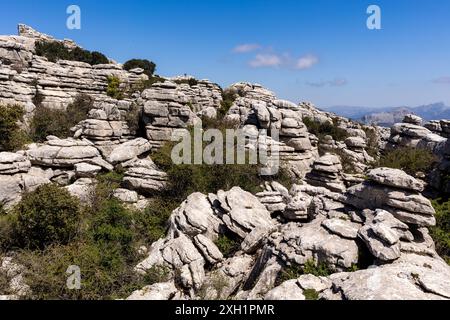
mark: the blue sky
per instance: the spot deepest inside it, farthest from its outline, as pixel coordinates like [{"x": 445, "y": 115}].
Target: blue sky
[{"x": 314, "y": 50}]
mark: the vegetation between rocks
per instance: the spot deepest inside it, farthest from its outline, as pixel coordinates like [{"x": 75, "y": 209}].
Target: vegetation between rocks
[
  {"x": 103, "y": 238},
  {"x": 228, "y": 98},
  {"x": 148, "y": 66},
  {"x": 113, "y": 90},
  {"x": 12, "y": 137},
  {"x": 441, "y": 232},
  {"x": 294, "y": 271},
  {"x": 54, "y": 51},
  {"x": 410, "y": 160},
  {"x": 325, "y": 129},
  {"x": 58, "y": 123}
]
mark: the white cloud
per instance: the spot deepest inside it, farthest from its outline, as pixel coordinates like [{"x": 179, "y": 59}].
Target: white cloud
[
  {"x": 337, "y": 82},
  {"x": 247, "y": 47},
  {"x": 266, "y": 60},
  {"x": 306, "y": 62}
]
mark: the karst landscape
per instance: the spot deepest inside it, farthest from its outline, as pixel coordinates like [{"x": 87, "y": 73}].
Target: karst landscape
[{"x": 356, "y": 212}]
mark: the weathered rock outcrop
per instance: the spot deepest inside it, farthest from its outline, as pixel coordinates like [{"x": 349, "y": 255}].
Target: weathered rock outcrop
[
  {"x": 169, "y": 106},
  {"x": 23, "y": 73},
  {"x": 326, "y": 173},
  {"x": 396, "y": 192}
]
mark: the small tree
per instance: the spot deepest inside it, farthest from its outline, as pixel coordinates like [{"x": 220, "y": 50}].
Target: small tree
[
  {"x": 113, "y": 90},
  {"x": 11, "y": 136},
  {"x": 49, "y": 215},
  {"x": 148, "y": 66}
]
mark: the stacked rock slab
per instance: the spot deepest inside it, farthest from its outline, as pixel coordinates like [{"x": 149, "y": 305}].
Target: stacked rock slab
[
  {"x": 170, "y": 106},
  {"x": 397, "y": 193},
  {"x": 144, "y": 176},
  {"x": 355, "y": 153},
  {"x": 165, "y": 109},
  {"x": 326, "y": 173},
  {"x": 410, "y": 134},
  {"x": 203, "y": 96},
  {"x": 23, "y": 73},
  {"x": 282, "y": 121},
  {"x": 16, "y": 177},
  {"x": 382, "y": 235}
]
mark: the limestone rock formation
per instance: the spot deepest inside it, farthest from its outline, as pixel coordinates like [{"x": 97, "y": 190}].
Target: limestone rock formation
[
  {"x": 397, "y": 193},
  {"x": 326, "y": 173}
]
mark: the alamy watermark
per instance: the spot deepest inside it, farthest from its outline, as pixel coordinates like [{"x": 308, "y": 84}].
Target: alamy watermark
[
  {"x": 73, "y": 22},
  {"x": 74, "y": 280},
  {"x": 374, "y": 20}
]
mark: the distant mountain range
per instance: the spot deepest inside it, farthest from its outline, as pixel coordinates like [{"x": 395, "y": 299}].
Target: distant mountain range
[{"x": 390, "y": 115}]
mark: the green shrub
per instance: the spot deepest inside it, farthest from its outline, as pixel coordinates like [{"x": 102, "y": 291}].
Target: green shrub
[
  {"x": 113, "y": 90},
  {"x": 157, "y": 274},
  {"x": 152, "y": 223},
  {"x": 294, "y": 271},
  {"x": 410, "y": 160},
  {"x": 373, "y": 148},
  {"x": 291, "y": 272},
  {"x": 311, "y": 294},
  {"x": 48, "y": 122},
  {"x": 185, "y": 179},
  {"x": 79, "y": 109},
  {"x": 326, "y": 128},
  {"x": 58, "y": 123},
  {"x": 104, "y": 190},
  {"x": 112, "y": 224},
  {"x": 191, "y": 81},
  {"x": 227, "y": 245},
  {"x": 55, "y": 51},
  {"x": 12, "y": 138},
  {"x": 133, "y": 118},
  {"x": 317, "y": 269},
  {"x": 105, "y": 273},
  {"x": 148, "y": 66},
  {"x": 46, "y": 216},
  {"x": 146, "y": 84},
  {"x": 228, "y": 98},
  {"x": 441, "y": 232},
  {"x": 8, "y": 231}
]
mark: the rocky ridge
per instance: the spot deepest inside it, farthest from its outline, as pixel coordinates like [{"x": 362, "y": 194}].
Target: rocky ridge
[{"x": 374, "y": 220}]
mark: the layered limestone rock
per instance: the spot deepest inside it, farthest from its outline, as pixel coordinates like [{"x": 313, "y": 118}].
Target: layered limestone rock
[
  {"x": 105, "y": 126},
  {"x": 194, "y": 228},
  {"x": 12, "y": 163},
  {"x": 173, "y": 105},
  {"x": 396, "y": 192},
  {"x": 411, "y": 134},
  {"x": 23, "y": 74},
  {"x": 129, "y": 150},
  {"x": 144, "y": 176},
  {"x": 297, "y": 244},
  {"x": 65, "y": 153},
  {"x": 259, "y": 110},
  {"x": 326, "y": 173},
  {"x": 13, "y": 186},
  {"x": 382, "y": 235},
  {"x": 412, "y": 277}
]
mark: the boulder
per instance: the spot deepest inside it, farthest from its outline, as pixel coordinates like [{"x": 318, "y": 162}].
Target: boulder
[
  {"x": 395, "y": 178},
  {"x": 129, "y": 150},
  {"x": 158, "y": 291},
  {"x": 12, "y": 163}
]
